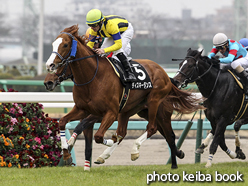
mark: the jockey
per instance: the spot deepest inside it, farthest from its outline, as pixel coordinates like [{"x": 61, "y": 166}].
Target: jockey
[
  {"x": 117, "y": 32},
  {"x": 244, "y": 42},
  {"x": 99, "y": 41},
  {"x": 235, "y": 54}
]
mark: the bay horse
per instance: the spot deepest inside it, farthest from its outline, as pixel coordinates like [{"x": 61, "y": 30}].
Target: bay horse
[
  {"x": 223, "y": 103},
  {"x": 97, "y": 90}
]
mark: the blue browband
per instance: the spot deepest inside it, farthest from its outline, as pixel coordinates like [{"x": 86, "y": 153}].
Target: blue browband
[{"x": 73, "y": 46}]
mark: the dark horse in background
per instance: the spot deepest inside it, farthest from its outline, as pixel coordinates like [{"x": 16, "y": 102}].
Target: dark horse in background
[
  {"x": 97, "y": 91},
  {"x": 224, "y": 99}
]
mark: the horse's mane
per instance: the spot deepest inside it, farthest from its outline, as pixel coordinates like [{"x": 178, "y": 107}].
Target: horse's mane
[
  {"x": 203, "y": 58},
  {"x": 74, "y": 31}
]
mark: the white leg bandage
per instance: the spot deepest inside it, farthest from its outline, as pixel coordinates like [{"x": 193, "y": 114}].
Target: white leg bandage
[
  {"x": 87, "y": 165},
  {"x": 237, "y": 139},
  {"x": 64, "y": 144},
  {"x": 209, "y": 161},
  {"x": 138, "y": 142},
  {"x": 108, "y": 142},
  {"x": 72, "y": 140},
  {"x": 231, "y": 154},
  {"x": 107, "y": 153},
  {"x": 208, "y": 139}
]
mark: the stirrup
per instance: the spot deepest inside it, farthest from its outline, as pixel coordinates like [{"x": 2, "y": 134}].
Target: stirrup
[{"x": 130, "y": 77}]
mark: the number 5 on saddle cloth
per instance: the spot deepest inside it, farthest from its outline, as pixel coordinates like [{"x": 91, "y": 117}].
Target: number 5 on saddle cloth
[{"x": 143, "y": 80}]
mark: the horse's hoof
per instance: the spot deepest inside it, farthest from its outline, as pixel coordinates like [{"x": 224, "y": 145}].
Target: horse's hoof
[
  {"x": 181, "y": 154},
  {"x": 68, "y": 162},
  {"x": 134, "y": 156},
  {"x": 200, "y": 149},
  {"x": 67, "y": 157},
  {"x": 86, "y": 168},
  {"x": 99, "y": 161},
  {"x": 174, "y": 166},
  {"x": 208, "y": 165},
  {"x": 240, "y": 154}
]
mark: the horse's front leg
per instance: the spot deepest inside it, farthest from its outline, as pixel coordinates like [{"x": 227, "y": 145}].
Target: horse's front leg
[
  {"x": 88, "y": 134},
  {"x": 116, "y": 138},
  {"x": 218, "y": 137},
  {"x": 205, "y": 143},
  {"x": 74, "y": 114},
  {"x": 107, "y": 120},
  {"x": 85, "y": 126}
]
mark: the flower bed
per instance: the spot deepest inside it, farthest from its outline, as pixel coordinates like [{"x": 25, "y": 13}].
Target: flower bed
[{"x": 28, "y": 137}]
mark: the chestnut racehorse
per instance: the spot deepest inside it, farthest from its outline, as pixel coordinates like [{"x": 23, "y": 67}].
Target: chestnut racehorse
[{"x": 98, "y": 91}]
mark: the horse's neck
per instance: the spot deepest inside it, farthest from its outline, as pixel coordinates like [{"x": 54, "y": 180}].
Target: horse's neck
[
  {"x": 84, "y": 70},
  {"x": 207, "y": 82}
]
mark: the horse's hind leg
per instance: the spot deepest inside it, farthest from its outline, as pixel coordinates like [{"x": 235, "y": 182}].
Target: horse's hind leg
[
  {"x": 219, "y": 139},
  {"x": 164, "y": 126},
  {"x": 238, "y": 150},
  {"x": 170, "y": 138}
]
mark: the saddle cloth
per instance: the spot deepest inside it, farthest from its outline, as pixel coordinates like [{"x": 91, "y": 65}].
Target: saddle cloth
[{"x": 143, "y": 80}]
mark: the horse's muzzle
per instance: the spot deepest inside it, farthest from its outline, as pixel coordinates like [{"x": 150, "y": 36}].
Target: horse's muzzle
[{"x": 50, "y": 86}]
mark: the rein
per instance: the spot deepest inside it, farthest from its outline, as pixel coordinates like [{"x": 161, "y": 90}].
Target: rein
[{"x": 69, "y": 58}]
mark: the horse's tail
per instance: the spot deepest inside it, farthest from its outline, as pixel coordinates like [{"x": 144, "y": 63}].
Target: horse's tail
[{"x": 183, "y": 102}]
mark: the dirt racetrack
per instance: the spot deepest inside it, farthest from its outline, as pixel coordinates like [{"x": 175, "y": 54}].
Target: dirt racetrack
[{"x": 154, "y": 151}]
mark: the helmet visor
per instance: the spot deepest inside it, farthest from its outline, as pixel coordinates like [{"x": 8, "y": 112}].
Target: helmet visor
[{"x": 221, "y": 47}]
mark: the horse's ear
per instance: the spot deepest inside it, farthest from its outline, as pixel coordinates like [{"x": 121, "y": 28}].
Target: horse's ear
[
  {"x": 198, "y": 54},
  {"x": 188, "y": 49}
]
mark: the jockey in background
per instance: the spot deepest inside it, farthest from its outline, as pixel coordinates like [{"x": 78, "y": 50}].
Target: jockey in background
[
  {"x": 244, "y": 42},
  {"x": 117, "y": 33},
  {"x": 235, "y": 54}
]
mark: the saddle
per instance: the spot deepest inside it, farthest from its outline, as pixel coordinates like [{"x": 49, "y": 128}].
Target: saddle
[{"x": 143, "y": 80}]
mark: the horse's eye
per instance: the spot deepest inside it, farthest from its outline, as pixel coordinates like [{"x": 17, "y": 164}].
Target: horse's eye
[{"x": 65, "y": 45}]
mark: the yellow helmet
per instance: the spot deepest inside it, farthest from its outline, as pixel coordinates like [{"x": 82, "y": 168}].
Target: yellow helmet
[{"x": 93, "y": 17}]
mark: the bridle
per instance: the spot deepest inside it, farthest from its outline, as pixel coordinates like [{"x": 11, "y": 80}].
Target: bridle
[
  {"x": 69, "y": 58},
  {"x": 62, "y": 76},
  {"x": 189, "y": 77}
]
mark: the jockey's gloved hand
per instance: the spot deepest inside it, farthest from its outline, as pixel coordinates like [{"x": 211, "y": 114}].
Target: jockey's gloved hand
[{"x": 215, "y": 61}]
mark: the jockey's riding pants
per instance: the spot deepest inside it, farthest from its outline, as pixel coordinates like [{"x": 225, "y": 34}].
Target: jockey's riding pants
[
  {"x": 241, "y": 61},
  {"x": 126, "y": 38}
]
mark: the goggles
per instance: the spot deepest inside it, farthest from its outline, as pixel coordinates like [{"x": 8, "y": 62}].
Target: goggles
[
  {"x": 93, "y": 25},
  {"x": 221, "y": 47}
]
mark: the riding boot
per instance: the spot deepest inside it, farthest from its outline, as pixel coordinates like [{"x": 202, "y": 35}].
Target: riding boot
[
  {"x": 244, "y": 75},
  {"x": 123, "y": 59}
]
